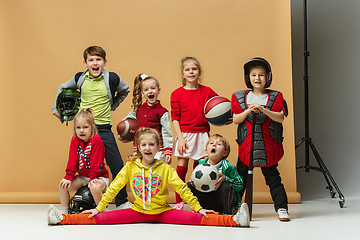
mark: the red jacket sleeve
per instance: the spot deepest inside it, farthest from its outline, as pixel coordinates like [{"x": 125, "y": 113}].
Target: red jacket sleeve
[
  {"x": 73, "y": 161},
  {"x": 175, "y": 106}
]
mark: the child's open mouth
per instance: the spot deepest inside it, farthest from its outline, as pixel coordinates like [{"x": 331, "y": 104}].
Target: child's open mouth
[
  {"x": 151, "y": 97},
  {"x": 148, "y": 153},
  {"x": 213, "y": 150},
  {"x": 95, "y": 69}
]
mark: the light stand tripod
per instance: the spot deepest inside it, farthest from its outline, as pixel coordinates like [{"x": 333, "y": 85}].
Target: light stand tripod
[{"x": 307, "y": 140}]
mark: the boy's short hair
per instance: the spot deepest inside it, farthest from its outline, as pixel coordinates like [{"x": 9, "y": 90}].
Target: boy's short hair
[
  {"x": 223, "y": 140},
  {"x": 94, "y": 51},
  {"x": 257, "y": 62}
]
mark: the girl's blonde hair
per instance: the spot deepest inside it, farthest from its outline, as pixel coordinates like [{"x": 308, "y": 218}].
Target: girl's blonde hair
[
  {"x": 223, "y": 140},
  {"x": 185, "y": 59},
  {"x": 139, "y": 133},
  {"x": 86, "y": 113},
  {"x": 137, "y": 96}
]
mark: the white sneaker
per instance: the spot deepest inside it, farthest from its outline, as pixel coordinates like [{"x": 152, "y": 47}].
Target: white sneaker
[
  {"x": 283, "y": 215},
  {"x": 125, "y": 205},
  {"x": 242, "y": 217},
  {"x": 54, "y": 217}
]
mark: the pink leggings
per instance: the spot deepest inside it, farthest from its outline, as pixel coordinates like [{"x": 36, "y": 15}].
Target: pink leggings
[{"x": 131, "y": 216}]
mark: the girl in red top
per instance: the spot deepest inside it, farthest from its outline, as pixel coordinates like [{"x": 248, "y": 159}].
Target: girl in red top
[
  {"x": 190, "y": 124},
  {"x": 151, "y": 114},
  {"x": 86, "y": 157}
]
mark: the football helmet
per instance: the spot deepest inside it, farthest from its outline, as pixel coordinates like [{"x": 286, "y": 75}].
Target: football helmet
[
  {"x": 82, "y": 200},
  {"x": 67, "y": 104}
]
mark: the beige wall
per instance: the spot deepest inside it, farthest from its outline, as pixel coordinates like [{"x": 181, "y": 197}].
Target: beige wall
[{"x": 41, "y": 47}]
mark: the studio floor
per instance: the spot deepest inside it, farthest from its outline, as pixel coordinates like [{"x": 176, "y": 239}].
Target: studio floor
[{"x": 315, "y": 219}]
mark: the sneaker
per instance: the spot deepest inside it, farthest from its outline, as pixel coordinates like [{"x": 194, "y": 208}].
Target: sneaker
[
  {"x": 242, "y": 217},
  {"x": 54, "y": 217},
  {"x": 283, "y": 215},
  {"x": 179, "y": 206},
  {"x": 125, "y": 205}
]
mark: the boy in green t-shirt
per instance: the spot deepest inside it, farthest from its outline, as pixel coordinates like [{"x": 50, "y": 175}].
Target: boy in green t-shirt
[
  {"x": 102, "y": 91},
  {"x": 226, "y": 198}
]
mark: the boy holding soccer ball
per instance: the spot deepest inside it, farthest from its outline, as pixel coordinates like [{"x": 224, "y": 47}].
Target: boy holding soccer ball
[{"x": 226, "y": 199}]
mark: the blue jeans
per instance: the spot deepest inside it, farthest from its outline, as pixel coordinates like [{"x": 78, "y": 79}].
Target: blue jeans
[{"x": 113, "y": 158}]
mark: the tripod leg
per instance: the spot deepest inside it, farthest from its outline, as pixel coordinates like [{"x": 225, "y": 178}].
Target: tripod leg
[{"x": 327, "y": 175}]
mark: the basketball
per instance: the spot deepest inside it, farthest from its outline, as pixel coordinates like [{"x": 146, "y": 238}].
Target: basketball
[
  {"x": 126, "y": 129},
  {"x": 217, "y": 110}
]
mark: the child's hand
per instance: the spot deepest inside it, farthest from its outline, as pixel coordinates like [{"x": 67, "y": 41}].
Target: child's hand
[
  {"x": 122, "y": 139},
  {"x": 92, "y": 212},
  {"x": 191, "y": 182},
  {"x": 64, "y": 183},
  {"x": 168, "y": 159},
  {"x": 182, "y": 146},
  {"x": 229, "y": 121},
  {"x": 220, "y": 180},
  {"x": 94, "y": 182},
  {"x": 255, "y": 108},
  {"x": 205, "y": 211}
]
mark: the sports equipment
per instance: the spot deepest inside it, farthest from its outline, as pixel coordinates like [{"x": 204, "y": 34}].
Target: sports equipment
[
  {"x": 126, "y": 129},
  {"x": 82, "y": 200},
  {"x": 268, "y": 147},
  {"x": 204, "y": 177},
  {"x": 217, "y": 110},
  {"x": 67, "y": 104},
  {"x": 249, "y": 183}
]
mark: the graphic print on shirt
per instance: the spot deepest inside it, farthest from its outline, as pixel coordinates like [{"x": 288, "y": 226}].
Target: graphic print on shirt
[
  {"x": 137, "y": 183},
  {"x": 83, "y": 156}
]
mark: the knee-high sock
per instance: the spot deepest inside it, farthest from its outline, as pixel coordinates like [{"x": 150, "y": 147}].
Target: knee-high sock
[
  {"x": 73, "y": 219},
  {"x": 181, "y": 171},
  {"x": 218, "y": 220}
]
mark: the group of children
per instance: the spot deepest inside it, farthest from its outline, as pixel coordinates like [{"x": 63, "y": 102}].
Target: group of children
[{"x": 148, "y": 171}]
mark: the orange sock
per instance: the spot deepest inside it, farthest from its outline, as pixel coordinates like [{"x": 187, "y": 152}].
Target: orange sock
[
  {"x": 74, "y": 219},
  {"x": 219, "y": 220}
]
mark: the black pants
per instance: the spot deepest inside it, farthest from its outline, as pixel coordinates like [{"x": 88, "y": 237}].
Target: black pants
[
  {"x": 273, "y": 180},
  {"x": 113, "y": 158},
  {"x": 222, "y": 200}
]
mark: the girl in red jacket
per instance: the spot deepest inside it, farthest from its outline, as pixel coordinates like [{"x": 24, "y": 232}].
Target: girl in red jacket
[
  {"x": 190, "y": 124},
  {"x": 86, "y": 157}
]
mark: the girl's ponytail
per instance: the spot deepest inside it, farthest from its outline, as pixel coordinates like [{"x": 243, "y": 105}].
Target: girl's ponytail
[{"x": 137, "y": 97}]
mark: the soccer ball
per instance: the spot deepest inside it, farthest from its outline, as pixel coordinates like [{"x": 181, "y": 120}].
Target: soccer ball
[{"x": 204, "y": 177}]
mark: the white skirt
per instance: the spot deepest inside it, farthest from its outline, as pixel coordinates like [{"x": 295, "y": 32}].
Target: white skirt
[{"x": 196, "y": 143}]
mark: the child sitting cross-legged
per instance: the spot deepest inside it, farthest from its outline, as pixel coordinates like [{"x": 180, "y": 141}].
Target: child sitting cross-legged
[
  {"x": 226, "y": 198},
  {"x": 148, "y": 178}
]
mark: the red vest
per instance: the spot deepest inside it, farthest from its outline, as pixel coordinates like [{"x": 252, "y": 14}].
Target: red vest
[
  {"x": 149, "y": 116},
  {"x": 268, "y": 133}
]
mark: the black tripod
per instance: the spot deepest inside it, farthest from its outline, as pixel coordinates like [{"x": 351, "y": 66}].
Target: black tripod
[{"x": 307, "y": 140}]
